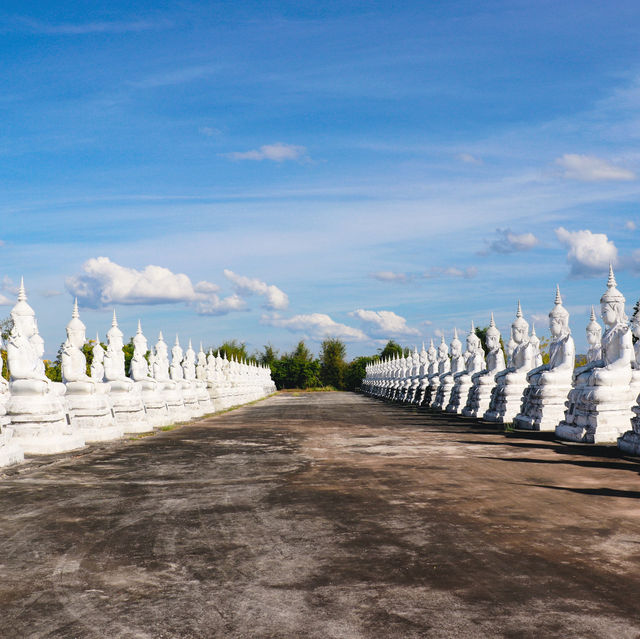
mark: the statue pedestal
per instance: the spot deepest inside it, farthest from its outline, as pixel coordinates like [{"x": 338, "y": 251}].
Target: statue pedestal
[
  {"x": 543, "y": 407},
  {"x": 432, "y": 390},
  {"x": 444, "y": 391},
  {"x": 459, "y": 393},
  {"x": 154, "y": 402},
  {"x": 597, "y": 414},
  {"x": 423, "y": 384},
  {"x": 204, "y": 400},
  {"x": 128, "y": 407},
  {"x": 190, "y": 399},
  {"x": 506, "y": 398},
  {"x": 90, "y": 412},
  {"x": 175, "y": 404},
  {"x": 10, "y": 452},
  {"x": 39, "y": 421}
]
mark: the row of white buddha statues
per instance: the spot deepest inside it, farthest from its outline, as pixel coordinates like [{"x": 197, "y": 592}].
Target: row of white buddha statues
[
  {"x": 594, "y": 403},
  {"x": 39, "y": 416}
]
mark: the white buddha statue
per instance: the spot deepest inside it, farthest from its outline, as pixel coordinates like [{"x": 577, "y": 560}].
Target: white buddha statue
[
  {"x": 534, "y": 340},
  {"x": 473, "y": 363},
  {"x": 153, "y": 398},
  {"x": 194, "y": 370},
  {"x": 509, "y": 348},
  {"x": 599, "y": 405},
  {"x": 172, "y": 394},
  {"x": 97, "y": 361},
  {"x": 510, "y": 383},
  {"x": 544, "y": 399},
  {"x": 432, "y": 369},
  {"x": 36, "y": 407},
  {"x": 10, "y": 452},
  {"x": 423, "y": 377},
  {"x": 413, "y": 376},
  {"x": 87, "y": 399},
  {"x": 594, "y": 338},
  {"x": 483, "y": 382},
  {"x": 184, "y": 386},
  {"x": 125, "y": 394},
  {"x": 456, "y": 365},
  {"x": 442, "y": 367}
]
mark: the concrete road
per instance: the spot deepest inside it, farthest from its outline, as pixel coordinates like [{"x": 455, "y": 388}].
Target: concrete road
[{"x": 323, "y": 515}]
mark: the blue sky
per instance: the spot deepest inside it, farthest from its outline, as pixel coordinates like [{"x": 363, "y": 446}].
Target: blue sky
[{"x": 269, "y": 171}]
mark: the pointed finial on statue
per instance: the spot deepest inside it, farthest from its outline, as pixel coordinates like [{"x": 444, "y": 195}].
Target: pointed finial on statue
[
  {"x": 75, "y": 314},
  {"x": 558, "y": 297},
  {"x": 139, "y": 331},
  {"x": 611, "y": 282},
  {"x": 177, "y": 342},
  {"x": 519, "y": 311},
  {"x": 533, "y": 330},
  {"x": 22, "y": 294},
  {"x": 593, "y": 314},
  {"x": 190, "y": 347},
  {"x": 442, "y": 339},
  {"x": 492, "y": 321},
  {"x": 97, "y": 337},
  {"x": 114, "y": 321},
  {"x": 455, "y": 333},
  {"x": 473, "y": 328},
  {"x": 160, "y": 338}
]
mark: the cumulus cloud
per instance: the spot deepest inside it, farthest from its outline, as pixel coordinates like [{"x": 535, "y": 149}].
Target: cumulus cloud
[
  {"x": 506, "y": 241},
  {"x": 384, "y": 323},
  {"x": 276, "y": 299},
  {"x": 589, "y": 253},
  {"x": 8, "y": 285},
  {"x": 630, "y": 225},
  {"x": 316, "y": 326},
  {"x": 390, "y": 276},
  {"x": 450, "y": 271},
  {"x": 277, "y": 152},
  {"x": 104, "y": 283},
  {"x": 5, "y": 301},
  {"x": 588, "y": 168}
]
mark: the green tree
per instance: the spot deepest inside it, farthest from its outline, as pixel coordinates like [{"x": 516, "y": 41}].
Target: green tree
[
  {"x": 297, "y": 369},
  {"x": 356, "y": 370},
  {"x": 392, "y": 349},
  {"x": 267, "y": 356},
  {"x": 332, "y": 364},
  {"x": 232, "y": 347}
]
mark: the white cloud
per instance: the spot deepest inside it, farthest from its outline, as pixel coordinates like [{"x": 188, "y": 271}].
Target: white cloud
[
  {"x": 276, "y": 298},
  {"x": 316, "y": 326},
  {"x": 209, "y": 131},
  {"x": 506, "y": 241},
  {"x": 390, "y": 276},
  {"x": 277, "y": 152},
  {"x": 589, "y": 253},
  {"x": 467, "y": 158},
  {"x": 588, "y": 168},
  {"x": 630, "y": 225},
  {"x": 5, "y": 301},
  {"x": 384, "y": 323},
  {"x": 8, "y": 285},
  {"x": 451, "y": 271},
  {"x": 104, "y": 283}
]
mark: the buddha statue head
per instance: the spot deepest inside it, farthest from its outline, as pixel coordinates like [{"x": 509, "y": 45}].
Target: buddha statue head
[
  {"x": 161, "y": 347},
  {"x": 443, "y": 349},
  {"x": 97, "y": 350},
  {"x": 423, "y": 355},
  {"x": 492, "y": 336},
  {"x": 432, "y": 353},
  {"x": 176, "y": 351},
  {"x": 559, "y": 318},
  {"x": 534, "y": 340},
  {"x": 612, "y": 303},
  {"x": 140, "y": 341},
  {"x": 473, "y": 341},
  {"x": 114, "y": 334},
  {"x": 520, "y": 327},
  {"x": 455, "y": 347},
  {"x": 594, "y": 330},
  {"x": 76, "y": 330},
  {"x": 23, "y": 315}
]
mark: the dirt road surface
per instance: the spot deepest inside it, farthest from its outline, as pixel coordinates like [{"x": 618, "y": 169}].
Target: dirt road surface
[{"x": 323, "y": 515}]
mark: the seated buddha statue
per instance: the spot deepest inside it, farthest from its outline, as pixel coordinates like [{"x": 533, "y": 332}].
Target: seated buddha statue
[
  {"x": 456, "y": 365},
  {"x": 473, "y": 363}
]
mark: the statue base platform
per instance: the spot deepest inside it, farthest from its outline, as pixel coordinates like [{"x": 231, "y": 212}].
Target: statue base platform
[
  {"x": 93, "y": 418},
  {"x": 597, "y": 414},
  {"x": 444, "y": 393},
  {"x": 40, "y": 424},
  {"x": 459, "y": 394},
  {"x": 506, "y": 401},
  {"x": 543, "y": 407},
  {"x": 10, "y": 452}
]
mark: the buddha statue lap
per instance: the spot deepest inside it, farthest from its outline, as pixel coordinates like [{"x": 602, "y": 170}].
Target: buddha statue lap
[
  {"x": 473, "y": 363},
  {"x": 599, "y": 407},
  {"x": 36, "y": 407},
  {"x": 87, "y": 399},
  {"x": 510, "y": 383},
  {"x": 125, "y": 394},
  {"x": 179, "y": 368},
  {"x": 544, "y": 399}
]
